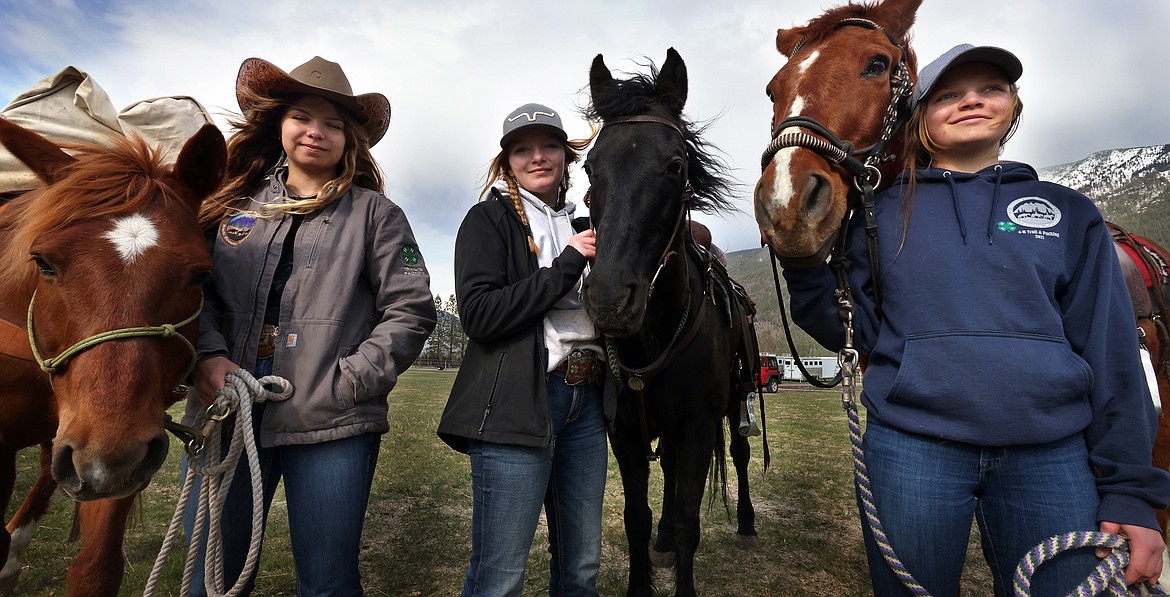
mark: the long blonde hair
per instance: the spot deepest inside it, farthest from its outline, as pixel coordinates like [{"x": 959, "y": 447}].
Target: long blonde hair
[
  {"x": 500, "y": 169},
  {"x": 255, "y": 148}
]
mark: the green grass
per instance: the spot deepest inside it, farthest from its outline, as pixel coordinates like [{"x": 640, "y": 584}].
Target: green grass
[{"x": 416, "y": 540}]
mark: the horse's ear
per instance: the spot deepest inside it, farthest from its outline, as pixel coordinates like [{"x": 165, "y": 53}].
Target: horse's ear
[
  {"x": 672, "y": 82},
  {"x": 41, "y": 155},
  {"x": 897, "y": 16},
  {"x": 202, "y": 163},
  {"x": 600, "y": 80},
  {"x": 788, "y": 39}
]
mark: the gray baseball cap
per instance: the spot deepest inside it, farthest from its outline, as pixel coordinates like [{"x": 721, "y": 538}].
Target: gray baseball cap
[
  {"x": 532, "y": 116},
  {"x": 962, "y": 54}
]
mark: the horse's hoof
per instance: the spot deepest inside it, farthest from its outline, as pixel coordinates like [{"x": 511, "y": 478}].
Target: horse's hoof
[
  {"x": 8, "y": 583},
  {"x": 747, "y": 541},
  {"x": 662, "y": 559}
]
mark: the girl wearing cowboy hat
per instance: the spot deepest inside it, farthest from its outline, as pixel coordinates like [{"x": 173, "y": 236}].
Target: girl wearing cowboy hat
[{"x": 318, "y": 279}]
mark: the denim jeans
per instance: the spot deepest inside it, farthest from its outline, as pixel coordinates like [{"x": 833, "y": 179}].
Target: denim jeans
[
  {"x": 928, "y": 490},
  {"x": 326, "y": 487},
  {"x": 511, "y": 483}
]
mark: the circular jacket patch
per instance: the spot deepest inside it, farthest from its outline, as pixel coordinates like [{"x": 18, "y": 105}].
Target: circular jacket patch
[
  {"x": 235, "y": 230},
  {"x": 1033, "y": 212}
]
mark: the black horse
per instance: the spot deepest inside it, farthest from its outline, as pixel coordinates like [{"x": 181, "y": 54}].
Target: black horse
[{"x": 679, "y": 335}]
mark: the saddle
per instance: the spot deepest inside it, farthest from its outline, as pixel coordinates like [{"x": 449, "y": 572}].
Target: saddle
[
  {"x": 1146, "y": 268},
  {"x": 734, "y": 302}
]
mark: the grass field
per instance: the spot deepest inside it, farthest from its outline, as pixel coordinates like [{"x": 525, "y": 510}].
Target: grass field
[{"x": 416, "y": 540}]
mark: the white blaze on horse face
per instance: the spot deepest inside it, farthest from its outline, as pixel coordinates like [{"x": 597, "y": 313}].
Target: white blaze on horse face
[
  {"x": 783, "y": 188},
  {"x": 132, "y": 236}
]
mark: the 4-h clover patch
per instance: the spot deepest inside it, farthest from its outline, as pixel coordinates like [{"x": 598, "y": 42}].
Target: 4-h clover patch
[
  {"x": 410, "y": 254},
  {"x": 1006, "y": 226}
]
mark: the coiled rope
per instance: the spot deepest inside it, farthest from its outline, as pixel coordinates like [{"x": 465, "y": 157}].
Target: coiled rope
[
  {"x": 240, "y": 391},
  {"x": 1107, "y": 578}
]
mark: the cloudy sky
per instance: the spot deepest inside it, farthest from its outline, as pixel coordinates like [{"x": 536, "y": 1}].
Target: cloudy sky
[{"x": 1096, "y": 74}]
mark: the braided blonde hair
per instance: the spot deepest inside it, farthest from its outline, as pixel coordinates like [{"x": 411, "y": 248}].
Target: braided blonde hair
[{"x": 499, "y": 169}]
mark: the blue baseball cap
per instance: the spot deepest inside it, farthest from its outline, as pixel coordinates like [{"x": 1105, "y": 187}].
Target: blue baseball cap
[{"x": 1000, "y": 58}]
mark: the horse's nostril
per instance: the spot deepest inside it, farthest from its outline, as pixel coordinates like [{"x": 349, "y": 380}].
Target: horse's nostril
[
  {"x": 156, "y": 454},
  {"x": 64, "y": 472}
]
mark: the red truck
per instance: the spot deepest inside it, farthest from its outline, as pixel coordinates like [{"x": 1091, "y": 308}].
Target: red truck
[{"x": 770, "y": 372}]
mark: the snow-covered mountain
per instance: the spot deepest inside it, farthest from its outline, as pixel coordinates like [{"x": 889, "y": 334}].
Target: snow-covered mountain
[{"x": 1130, "y": 186}]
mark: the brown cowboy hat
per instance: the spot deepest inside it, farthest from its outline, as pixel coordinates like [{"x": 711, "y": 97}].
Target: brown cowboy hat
[{"x": 318, "y": 77}]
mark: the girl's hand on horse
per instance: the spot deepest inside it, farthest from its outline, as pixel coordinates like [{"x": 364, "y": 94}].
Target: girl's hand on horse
[
  {"x": 1145, "y": 551},
  {"x": 585, "y": 243},
  {"x": 210, "y": 374}
]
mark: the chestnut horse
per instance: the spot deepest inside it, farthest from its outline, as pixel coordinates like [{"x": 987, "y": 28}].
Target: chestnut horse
[
  {"x": 673, "y": 327},
  {"x": 840, "y": 83},
  {"x": 100, "y": 289}
]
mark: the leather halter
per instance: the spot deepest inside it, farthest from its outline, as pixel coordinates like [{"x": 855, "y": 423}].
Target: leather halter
[
  {"x": 866, "y": 176},
  {"x": 638, "y": 377}
]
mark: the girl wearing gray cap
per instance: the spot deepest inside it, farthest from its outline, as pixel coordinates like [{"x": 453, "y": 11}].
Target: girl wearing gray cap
[
  {"x": 318, "y": 279},
  {"x": 531, "y": 402},
  {"x": 1004, "y": 382}
]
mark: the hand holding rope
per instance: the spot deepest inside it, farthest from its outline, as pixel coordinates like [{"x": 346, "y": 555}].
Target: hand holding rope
[{"x": 240, "y": 391}]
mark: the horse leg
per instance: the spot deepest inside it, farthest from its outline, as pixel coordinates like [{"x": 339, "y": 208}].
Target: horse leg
[
  {"x": 1161, "y": 454},
  {"x": 24, "y": 522},
  {"x": 664, "y": 546},
  {"x": 745, "y": 513},
  {"x": 690, "y": 480},
  {"x": 99, "y": 566},
  {"x": 635, "y": 470},
  {"x": 7, "y": 483}
]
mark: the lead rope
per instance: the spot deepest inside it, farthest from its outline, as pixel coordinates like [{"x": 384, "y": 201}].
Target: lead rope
[
  {"x": 240, "y": 391},
  {"x": 1109, "y": 575}
]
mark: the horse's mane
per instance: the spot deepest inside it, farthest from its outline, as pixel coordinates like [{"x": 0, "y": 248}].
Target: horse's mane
[
  {"x": 709, "y": 175},
  {"x": 102, "y": 182},
  {"x": 823, "y": 26}
]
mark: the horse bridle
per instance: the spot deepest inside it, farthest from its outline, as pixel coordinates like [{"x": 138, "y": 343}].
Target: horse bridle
[
  {"x": 638, "y": 377},
  {"x": 866, "y": 176},
  {"x": 52, "y": 364}
]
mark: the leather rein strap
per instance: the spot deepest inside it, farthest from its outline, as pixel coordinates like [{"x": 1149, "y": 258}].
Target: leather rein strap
[{"x": 636, "y": 379}]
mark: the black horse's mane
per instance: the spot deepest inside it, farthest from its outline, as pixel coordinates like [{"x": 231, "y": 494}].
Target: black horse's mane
[{"x": 709, "y": 175}]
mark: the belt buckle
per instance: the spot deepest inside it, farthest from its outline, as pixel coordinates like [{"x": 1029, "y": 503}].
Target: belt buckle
[
  {"x": 580, "y": 367},
  {"x": 266, "y": 348}
]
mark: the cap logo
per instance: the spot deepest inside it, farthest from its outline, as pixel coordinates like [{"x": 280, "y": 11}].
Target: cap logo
[{"x": 531, "y": 116}]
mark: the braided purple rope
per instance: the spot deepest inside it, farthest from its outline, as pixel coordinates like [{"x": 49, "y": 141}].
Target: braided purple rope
[
  {"x": 865, "y": 490},
  {"x": 1108, "y": 576}
]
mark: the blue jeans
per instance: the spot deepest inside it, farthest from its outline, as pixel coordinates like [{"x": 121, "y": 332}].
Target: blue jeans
[
  {"x": 928, "y": 490},
  {"x": 511, "y": 483},
  {"x": 326, "y": 487}
]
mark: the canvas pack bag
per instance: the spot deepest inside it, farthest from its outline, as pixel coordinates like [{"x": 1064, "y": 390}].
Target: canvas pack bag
[{"x": 70, "y": 107}]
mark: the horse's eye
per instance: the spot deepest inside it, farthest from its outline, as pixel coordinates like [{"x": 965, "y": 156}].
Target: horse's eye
[
  {"x": 44, "y": 266},
  {"x": 878, "y": 65},
  {"x": 674, "y": 167}
]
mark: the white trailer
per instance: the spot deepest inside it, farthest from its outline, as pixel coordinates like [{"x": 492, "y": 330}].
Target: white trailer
[{"x": 818, "y": 367}]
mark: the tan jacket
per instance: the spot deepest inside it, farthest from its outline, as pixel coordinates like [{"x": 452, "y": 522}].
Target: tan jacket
[{"x": 355, "y": 313}]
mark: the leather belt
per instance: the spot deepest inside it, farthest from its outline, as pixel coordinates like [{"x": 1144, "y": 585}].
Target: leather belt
[
  {"x": 581, "y": 367},
  {"x": 267, "y": 347}
]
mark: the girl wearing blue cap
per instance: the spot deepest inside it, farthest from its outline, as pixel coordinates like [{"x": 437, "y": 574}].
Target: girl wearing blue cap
[
  {"x": 528, "y": 404},
  {"x": 1003, "y": 382}
]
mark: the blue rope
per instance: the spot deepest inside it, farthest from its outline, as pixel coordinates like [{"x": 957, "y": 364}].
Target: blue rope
[{"x": 1109, "y": 575}]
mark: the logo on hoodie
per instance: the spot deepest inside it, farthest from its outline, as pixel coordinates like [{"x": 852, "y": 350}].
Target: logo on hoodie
[{"x": 1033, "y": 212}]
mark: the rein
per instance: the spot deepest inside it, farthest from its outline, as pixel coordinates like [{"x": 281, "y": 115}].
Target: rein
[
  {"x": 636, "y": 378},
  {"x": 170, "y": 330}
]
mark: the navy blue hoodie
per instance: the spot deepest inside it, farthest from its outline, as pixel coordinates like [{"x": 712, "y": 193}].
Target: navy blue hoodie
[{"x": 1005, "y": 320}]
